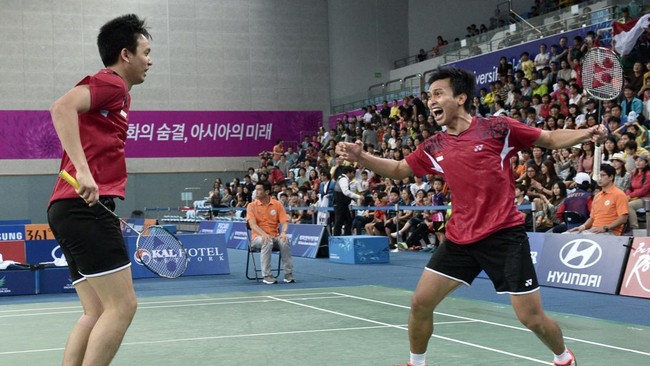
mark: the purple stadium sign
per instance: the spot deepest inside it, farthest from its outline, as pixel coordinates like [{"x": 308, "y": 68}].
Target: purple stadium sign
[{"x": 162, "y": 134}]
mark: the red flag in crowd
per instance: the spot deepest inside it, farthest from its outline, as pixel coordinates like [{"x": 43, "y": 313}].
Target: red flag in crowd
[{"x": 626, "y": 34}]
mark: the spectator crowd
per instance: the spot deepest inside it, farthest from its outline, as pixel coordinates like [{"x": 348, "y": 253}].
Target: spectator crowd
[{"x": 543, "y": 89}]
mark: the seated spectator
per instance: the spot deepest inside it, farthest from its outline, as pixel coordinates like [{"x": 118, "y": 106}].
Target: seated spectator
[
  {"x": 630, "y": 103},
  {"x": 376, "y": 226},
  {"x": 609, "y": 212},
  {"x": 548, "y": 218},
  {"x": 639, "y": 188},
  {"x": 578, "y": 201},
  {"x": 623, "y": 178}
]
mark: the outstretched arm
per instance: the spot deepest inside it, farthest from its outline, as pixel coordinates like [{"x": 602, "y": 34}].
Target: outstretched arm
[
  {"x": 353, "y": 152},
  {"x": 564, "y": 138}
]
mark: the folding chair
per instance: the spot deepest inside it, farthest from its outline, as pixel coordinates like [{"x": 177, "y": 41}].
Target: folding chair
[{"x": 255, "y": 273}]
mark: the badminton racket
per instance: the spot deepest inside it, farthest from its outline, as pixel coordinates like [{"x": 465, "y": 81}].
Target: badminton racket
[
  {"x": 156, "y": 248},
  {"x": 602, "y": 79}
]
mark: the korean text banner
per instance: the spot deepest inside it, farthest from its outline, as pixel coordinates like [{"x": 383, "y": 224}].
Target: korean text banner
[{"x": 168, "y": 134}]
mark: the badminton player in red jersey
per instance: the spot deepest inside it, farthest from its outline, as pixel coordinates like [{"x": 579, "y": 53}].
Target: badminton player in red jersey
[
  {"x": 91, "y": 121},
  {"x": 485, "y": 232}
]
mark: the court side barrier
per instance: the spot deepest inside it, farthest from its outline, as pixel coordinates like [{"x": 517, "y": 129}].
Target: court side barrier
[
  {"x": 596, "y": 263},
  {"x": 306, "y": 240},
  {"x": 32, "y": 262}
]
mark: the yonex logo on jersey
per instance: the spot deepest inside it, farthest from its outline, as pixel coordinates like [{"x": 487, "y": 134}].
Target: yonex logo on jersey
[{"x": 478, "y": 147}]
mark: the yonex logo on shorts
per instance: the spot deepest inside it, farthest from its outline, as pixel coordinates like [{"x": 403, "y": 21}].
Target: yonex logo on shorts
[{"x": 580, "y": 253}]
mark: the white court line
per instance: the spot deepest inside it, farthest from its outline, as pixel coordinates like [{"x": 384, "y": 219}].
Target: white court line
[
  {"x": 169, "y": 301},
  {"x": 261, "y": 299},
  {"x": 194, "y": 339},
  {"x": 227, "y": 337},
  {"x": 502, "y": 325},
  {"x": 406, "y": 328}
]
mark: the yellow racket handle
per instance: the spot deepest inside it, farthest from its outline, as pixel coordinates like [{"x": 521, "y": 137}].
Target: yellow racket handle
[{"x": 63, "y": 174}]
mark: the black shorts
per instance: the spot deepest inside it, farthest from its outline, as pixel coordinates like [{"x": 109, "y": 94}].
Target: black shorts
[
  {"x": 504, "y": 255},
  {"x": 90, "y": 238}
]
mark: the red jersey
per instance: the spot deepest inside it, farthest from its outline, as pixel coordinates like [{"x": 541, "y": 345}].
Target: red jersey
[
  {"x": 103, "y": 134},
  {"x": 476, "y": 165}
]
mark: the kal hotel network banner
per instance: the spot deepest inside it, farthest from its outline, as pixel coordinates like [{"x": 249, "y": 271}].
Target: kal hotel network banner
[{"x": 167, "y": 134}]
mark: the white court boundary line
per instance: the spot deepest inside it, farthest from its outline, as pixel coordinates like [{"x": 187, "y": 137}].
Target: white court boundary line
[
  {"x": 406, "y": 328},
  {"x": 325, "y": 330},
  {"x": 175, "y": 304},
  {"x": 300, "y": 296},
  {"x": 500, "y": 325}
]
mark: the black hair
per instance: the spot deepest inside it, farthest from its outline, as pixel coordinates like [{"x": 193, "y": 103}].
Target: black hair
[
  {"x": 265, "y": 185},
  {"x": 608, "y": 169},
  {"x": 119, "y": 33},
  {"x": 460, "y": 81}
]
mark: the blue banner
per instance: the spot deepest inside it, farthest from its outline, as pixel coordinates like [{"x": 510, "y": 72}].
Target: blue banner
[
  {"x": 12, "y": 232},
  {"x": 583, "y": 262},
  {"x": 206, "y": 252},
  {"x": 237, "y": 238},
  {"x": 40, "y": 251},
  {"x": 17, "y": 282},
  {"x": 305, "y": 239},
  {"x": 54, "y": 281}
]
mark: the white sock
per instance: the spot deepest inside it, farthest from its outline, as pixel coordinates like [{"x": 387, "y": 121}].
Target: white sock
[
  {"x": 564, "y": 357},
  {"x": 418, "y": 360}
]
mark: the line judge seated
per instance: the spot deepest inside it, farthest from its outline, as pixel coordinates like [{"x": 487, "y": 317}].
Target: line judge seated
[
  {"x": 609, "y": 209},
  {"x": 265, "y": 216}
]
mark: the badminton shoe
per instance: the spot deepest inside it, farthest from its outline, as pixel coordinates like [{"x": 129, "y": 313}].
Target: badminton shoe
[
  {"x": 571, "y": 362},
  {"x": 269, "y": 280},
  {"x": 288, "y": 278}
]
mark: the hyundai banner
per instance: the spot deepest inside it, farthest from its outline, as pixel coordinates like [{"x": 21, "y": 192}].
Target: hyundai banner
[
  {"x": 636, "y": 281},
  {"x": 583, "y": 262}
]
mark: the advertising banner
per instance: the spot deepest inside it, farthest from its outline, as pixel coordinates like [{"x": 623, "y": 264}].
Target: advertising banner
[
  {"x": 207, "y": 256},
  {"x": 161, "y": 134},
  {"x": 12, "y": 232},
  {"x": 13, "y": 251},
  {"x": 583, "y": 262},
  {"x": 43, "y": 251},
  {"x": 38, "y": 232},
  {"x": 54, "y": 281},
  {"x": 237, "y": 238},
  {"x": 17, "y": 282},
  {"x": 636, "y": 280},
  {"x": 305, "y": 239}
]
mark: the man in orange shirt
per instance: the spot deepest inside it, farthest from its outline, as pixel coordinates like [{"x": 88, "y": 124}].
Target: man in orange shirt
[
  {"x": 264, "y": 215},
  {"x": 608, "y": 209}
]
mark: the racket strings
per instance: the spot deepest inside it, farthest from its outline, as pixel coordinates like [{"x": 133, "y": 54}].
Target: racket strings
[
  {"x": 161, "y": 252},
  {"x": 602, "y": 74}
]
